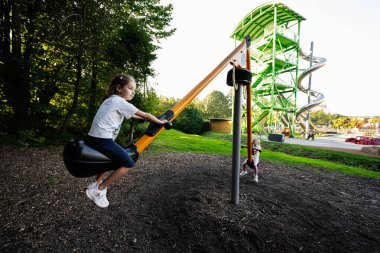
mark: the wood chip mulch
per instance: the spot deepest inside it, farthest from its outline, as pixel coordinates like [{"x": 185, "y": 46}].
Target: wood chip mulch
[{"x": 181, "y": 203}]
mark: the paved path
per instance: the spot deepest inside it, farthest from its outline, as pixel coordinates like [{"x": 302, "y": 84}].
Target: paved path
[{"x": 332, "y": 141}]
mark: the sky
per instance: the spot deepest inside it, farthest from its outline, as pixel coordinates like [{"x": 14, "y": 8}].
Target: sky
[{"x": 345, "y": 32}]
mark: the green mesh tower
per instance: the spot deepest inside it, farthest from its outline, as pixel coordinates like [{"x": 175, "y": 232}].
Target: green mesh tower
[{"x": 275, "y": 31}]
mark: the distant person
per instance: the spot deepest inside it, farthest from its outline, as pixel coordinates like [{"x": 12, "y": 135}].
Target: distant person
[
  {"x": 310, "y": 134},
  {"x": 105, "y": 128},
  {"x": 256, "y": 149}
]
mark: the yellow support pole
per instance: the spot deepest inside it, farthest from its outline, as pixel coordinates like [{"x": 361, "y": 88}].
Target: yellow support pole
[
  {"x": 145, "y": 140},
  {"x": 249, "y": 112}
]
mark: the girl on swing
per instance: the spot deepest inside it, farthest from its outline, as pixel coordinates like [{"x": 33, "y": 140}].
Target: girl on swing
[
  {"x": 256, "y": 149},
  {"x": 105, "y": 128}
]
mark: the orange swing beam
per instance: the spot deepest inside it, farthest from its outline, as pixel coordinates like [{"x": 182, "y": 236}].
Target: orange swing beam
[
  {"x": 145, "y": 140},
  {"x": 249, "y": 111}
]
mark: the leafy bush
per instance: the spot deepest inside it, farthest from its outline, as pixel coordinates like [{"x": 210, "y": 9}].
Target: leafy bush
[
  {"x": 191, "y": 121},
  {"x": 30, "y": 137}
]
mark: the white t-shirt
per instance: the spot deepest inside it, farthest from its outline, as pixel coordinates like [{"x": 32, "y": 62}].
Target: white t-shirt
[
  {"x": 257, "y": 155},
  {"x": 110, "y": 115}
]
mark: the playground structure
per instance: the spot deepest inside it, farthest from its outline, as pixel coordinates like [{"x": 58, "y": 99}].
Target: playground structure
[{"x": 275, "y": 54}]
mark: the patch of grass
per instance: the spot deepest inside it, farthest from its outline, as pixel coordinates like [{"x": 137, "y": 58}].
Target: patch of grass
[
  {"x": 290, "y": 159},
  {"x": 222, "y": 136},
  {"x": 176, "y": 141},
  {"x": 221, "y": 144},
  {"x": 355, "y": 160}
]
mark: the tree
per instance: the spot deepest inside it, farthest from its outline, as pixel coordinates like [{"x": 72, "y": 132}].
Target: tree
[
  {"x": 376, "y": 119},
  {"x": 342, "y": 122},
  {"x": 356, "y": 123},
  {"x": 165, "y": 104},
  {"x": 320, "y": 117},
  {"x": 216, "y": 105},
  {"x": 17, "y": 36},
  {"x": 79, "y": 64},
  {"x": 55, "y": 56}
]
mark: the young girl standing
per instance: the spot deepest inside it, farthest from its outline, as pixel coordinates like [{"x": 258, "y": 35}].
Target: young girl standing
[
  {"x": 105, "y": 128},
  {"x": 256, "y": 149}
]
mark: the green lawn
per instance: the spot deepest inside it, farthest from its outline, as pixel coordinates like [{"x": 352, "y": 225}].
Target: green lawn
[
  {"x": 221, "y": 144},
  {"x": 371, "y": 163}
]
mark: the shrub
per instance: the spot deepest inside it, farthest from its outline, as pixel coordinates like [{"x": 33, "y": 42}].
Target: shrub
[
  {"x": 190, "y": 121},
  {"x": 30, "y": 137}
]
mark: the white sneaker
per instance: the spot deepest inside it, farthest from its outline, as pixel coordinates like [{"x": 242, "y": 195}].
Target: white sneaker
[
  {"x": 93, "y": 184},
  {"x": 98, "y": 196},
  {"x": 256, "y": 178},
  {"x": 243, "y": 173}
]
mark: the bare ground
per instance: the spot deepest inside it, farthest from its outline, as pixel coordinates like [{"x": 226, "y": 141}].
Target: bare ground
[{"x": 181, "y": 203}]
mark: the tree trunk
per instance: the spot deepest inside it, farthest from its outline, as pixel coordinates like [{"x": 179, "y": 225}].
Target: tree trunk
[
  {"x": 13, "y": 67},
  {"x": 78, "y": 75},
  {"x": 76, "y": 90},
  {"x": 93, "y": 90}
]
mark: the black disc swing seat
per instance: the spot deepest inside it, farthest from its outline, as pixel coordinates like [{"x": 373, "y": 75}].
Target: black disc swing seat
[
  {"x": 81, "y": 160},
  {"x": 239, "y": 75}
]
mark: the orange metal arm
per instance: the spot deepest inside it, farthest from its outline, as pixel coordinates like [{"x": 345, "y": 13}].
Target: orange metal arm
[
  {"x": 145, "y": 140},
  {"x": 249, "y": 111}
]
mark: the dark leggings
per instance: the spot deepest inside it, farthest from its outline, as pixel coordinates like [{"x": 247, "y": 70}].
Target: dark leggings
[{"x": 112, "y": 150}]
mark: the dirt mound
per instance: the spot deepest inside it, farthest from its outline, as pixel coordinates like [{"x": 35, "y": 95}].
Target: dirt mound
[{"x": 181, "y": 203}]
